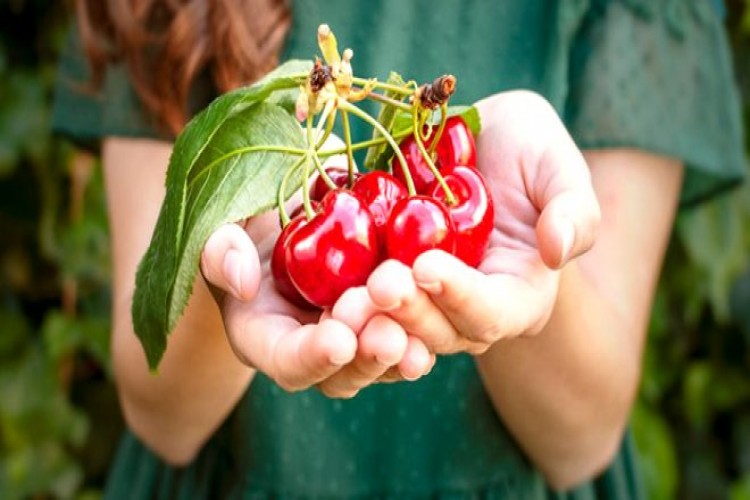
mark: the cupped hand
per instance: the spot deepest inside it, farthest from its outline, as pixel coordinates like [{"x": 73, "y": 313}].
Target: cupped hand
[
  {"x": 299, "y": 348},
  {"x": 546, "y": 214}
]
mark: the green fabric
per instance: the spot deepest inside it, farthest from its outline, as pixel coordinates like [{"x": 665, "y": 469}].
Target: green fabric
[
  {"x": 436, "y": 438},
  {"x": 634, "y": 73}
]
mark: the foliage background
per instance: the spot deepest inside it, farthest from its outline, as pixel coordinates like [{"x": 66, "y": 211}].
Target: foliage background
[{"x": 59, "y": 419}]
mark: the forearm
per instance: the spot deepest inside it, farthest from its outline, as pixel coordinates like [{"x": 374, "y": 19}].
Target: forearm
[
  {"x": 199, "y": 379},
  {"x": 198, "y": 382},
  {"x": 566, "y": 393}
]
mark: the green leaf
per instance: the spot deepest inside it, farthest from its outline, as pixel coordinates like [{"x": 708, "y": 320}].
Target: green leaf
[
  {"x": 740, "y": 489},
  {"x": 386, "y": 117},
  {"x": 696, "y": 388},
  {"x": 713, "y": 238},
  {"x": 656, "y": 451},
  {"x": 222, "y": 170}
]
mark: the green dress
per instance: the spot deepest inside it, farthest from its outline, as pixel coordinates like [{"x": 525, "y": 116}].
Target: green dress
[{"x": 654, "y": 75}]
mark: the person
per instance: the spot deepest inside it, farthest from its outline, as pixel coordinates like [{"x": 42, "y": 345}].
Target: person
[{"x": 511, "y": 381}]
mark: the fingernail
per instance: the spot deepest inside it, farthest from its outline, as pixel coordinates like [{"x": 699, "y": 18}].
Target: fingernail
[
  {"x": 432, "y": 287},
  {"x": 339, "y": 359},
  {"x": 568, "y": 236},
  {"x": 391, "y": 307},
  {"x": 233, "y": 271}
]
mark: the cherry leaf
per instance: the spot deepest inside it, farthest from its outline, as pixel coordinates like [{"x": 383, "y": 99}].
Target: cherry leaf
[{"x": 226, "y": 165}]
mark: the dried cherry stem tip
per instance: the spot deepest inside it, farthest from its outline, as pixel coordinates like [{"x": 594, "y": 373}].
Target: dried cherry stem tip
[
  {"x": 435, "y": 94},
  {"x": 319, "y": 76}
]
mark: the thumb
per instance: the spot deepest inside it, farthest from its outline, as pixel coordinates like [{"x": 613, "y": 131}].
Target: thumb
[
  {"x": 570, "y": 212},
  {"x": 485, "y": 307},
  {"x": 230, "y": 262}
]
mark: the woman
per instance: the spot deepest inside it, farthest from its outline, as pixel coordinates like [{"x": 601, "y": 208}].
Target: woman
[{"x": 545, "y": 340}]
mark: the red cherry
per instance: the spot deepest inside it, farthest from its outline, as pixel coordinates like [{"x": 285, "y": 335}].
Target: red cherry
[
  {"x": 418, "y": 224},
  {"x": 380, "y": 191},
  {"x": 339, "y": 176},
  {"x": 421, "y": 174},
  {"x": 473, "y": 213},
  {"x": 279, "y": 269},
  {"x": 337, "y": 249},
  {"x": 455, "y": 147}
]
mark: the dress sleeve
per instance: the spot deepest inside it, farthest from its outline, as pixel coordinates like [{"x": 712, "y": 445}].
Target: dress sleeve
[
  {"x": 657, "y": 75},
  {"x": 76, "y": 107}
]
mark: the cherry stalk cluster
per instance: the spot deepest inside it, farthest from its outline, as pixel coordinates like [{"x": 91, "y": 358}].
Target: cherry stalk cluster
[{"x": 431, "y": 196}]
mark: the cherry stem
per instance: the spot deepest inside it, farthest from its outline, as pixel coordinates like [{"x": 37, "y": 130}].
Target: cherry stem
[
  {"x": 356, "y": 146},
  {"x": 397, "y": 89},
  {"x": 309, "y": 212},
  {"x": 327, "y": 116},
  {"x": 424, "y": 134},
  {"x": 390, "y": 101},
  {"x": 328, "y": 130},
  {"x": 348, "y": 142},
  {"x": 319, "y": 167},
  {"x": 441, "y": 128},
  {"x": 281, "y": 193},
  {"x": 449, "y": 198},
  {"x": 346, "y": 106}
]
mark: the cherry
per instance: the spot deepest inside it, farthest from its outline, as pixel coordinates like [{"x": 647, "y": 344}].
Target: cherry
[
  {"x": 418, "y": 224},
  {"x": 421, "y": 174},
  {"x": 337, "y": 249},
  {"x": 339, "y": 176},
  {"x": 279, "y": 269},
  {"x": 455, "y": 147},
  {"x": 380, "y": 191},
  {"x": 472, "y": 213}
]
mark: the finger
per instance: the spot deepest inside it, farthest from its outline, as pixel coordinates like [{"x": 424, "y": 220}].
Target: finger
[
  {"x": 402, "y": 372},
  {"x": 417, "y": 360},
  {"x": 485, "y": 307},
  {"x": 295, "y": 356},
  {"x": 382, "y": 344},
  {"x": 570, "y": 212},
  {"x": 392, "y": 289},
  {"x": 230, "y": 262},
  {"x": 354, "y": 308},
  {"x": 393, "y": 374}
]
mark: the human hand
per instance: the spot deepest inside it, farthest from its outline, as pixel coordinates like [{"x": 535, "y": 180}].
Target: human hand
[
  {"x": 300, "y": 348},
  {"x": 546, "y": 214}
]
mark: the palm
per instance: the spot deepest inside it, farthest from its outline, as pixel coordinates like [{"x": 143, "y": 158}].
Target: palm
[
  {"x": 299, "y": 348},
  {"x": 545, "y": 214}
]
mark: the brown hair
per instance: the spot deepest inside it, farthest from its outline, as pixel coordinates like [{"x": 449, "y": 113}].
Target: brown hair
[{"x": 166, "y": 44}]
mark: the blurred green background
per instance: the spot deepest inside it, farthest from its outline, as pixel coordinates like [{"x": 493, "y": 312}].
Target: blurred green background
[{"x": 59, "y": 419}]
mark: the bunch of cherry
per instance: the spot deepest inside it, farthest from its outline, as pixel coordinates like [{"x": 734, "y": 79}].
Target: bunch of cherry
[{"x": 359, "y": 220}]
